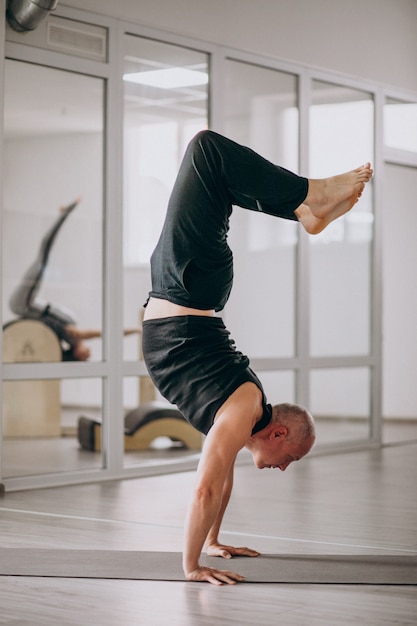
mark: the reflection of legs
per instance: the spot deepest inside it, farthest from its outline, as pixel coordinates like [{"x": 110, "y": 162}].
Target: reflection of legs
[{"x": 22, "y": 300}]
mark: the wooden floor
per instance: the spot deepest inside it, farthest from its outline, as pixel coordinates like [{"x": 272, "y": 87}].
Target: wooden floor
[{"x": 354, "y": 503}]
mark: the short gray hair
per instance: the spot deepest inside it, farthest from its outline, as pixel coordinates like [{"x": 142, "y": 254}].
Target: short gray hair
[{"x": 293, "y": 415}]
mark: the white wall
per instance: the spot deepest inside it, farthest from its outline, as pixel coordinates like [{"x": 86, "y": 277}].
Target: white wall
[{"x": 372, "y": 39}]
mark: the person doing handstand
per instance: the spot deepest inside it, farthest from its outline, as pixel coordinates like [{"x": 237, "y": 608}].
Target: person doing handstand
[
  {"x": 25, "y": 303},
  {"x": 189, "y": 353}
]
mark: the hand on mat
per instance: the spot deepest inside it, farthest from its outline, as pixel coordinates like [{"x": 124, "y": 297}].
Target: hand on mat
[
  {"x": 214, "y": 576},
  {"x": 226, "y": 552}
]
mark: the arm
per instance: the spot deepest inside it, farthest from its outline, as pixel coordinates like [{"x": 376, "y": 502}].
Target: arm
[
  {"x": 212, "y": 545},
  {"x": 204, "y": 510},
  {"x": 213, "y": 534},
  {"x": 93, "y": 333},
  {"x": 230, "y": 432}
]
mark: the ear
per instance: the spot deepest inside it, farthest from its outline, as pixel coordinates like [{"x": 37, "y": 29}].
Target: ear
[{"x": 279, "y": 431}]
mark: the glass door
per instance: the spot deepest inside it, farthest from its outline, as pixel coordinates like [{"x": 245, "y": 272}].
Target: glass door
[
  {"x": 341, "y": 137},
  {"x": 52, "y": 259},
  {"x": 399, "y": 295},
  {"x": 165, "y": 93},
  {"x": 261, "y": 112}
]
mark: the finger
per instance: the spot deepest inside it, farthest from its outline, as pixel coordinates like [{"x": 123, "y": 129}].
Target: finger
[
  {"x": 245, "y": 552},
  {"x": 213, "y": 580},
  {"x": 225, "y": 554},
  {"x": 230, "y": 578},
  {"x": 221, "y": 552},
  {"x": 214, "y": 576}
]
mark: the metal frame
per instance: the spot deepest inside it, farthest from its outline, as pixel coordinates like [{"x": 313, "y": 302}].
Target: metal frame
[
  {"x": 2, "y": 44},
  {"x": 113, "y": 368}
]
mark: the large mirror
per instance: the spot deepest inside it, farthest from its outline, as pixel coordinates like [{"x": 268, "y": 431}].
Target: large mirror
[
  {"x": 341, "y": 138},
  {"x": 261, "y": 111},
  {"x": 52, "y": 259},
  {"x": 165, "y": 91},
  {"x": 399, "y": 389},
  {"x": 400, "y": 124}
]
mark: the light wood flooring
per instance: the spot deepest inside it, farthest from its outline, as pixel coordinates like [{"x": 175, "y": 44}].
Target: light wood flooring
[{"x": 361, "y": 502}]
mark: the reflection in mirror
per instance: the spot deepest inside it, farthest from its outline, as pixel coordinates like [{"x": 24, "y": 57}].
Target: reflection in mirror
[
  {"x": 261, "y": 111},
  {"x": 52, "y": 228},
  {"x": 340, "y": 404},
  {"x": 341, "y": 139},
  {"x": 41, "y": 425},
  {"x": 155, "y": 431},
  {"x": 165, "y": 105},
  {"x": 400, "y": 124}
]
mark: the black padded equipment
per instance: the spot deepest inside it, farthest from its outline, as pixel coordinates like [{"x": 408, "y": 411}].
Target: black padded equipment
[{"x": 135, "y": 419}]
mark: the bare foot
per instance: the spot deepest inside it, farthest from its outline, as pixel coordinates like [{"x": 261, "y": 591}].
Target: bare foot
[
  {"x": 329, "y": 198},
  {"x": 68, "y": 208}
]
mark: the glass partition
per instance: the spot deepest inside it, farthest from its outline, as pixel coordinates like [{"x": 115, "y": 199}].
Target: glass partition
[
  {"x": 52, "y": 260},
  {"x": 279, "y": 385},
  {"x": 155, "y": 434},
  {"x": 400, "y": 124},
  {"x": 165, "y": 91},
  {"x": 301, "y": 306},
  {"x": 165, "y": 105},
  {"x": 341, "y": 139},
  {"x": 53, "y": 206},
  {"x": 340, "y": 400},
  {"x": 399, "y": 389},
  {"x": 49, "y": 426},
  {"x": 261, "y": 111},
  {"x": 341, "y": 135}
]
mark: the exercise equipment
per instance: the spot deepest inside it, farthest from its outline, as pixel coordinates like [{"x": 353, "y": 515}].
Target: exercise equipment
[
  {"x": 31, "y": 408},
  {"x": 150, "y": 420},
  {"x": 373, "y": 569},
  {"x": 142, "y": 426}
]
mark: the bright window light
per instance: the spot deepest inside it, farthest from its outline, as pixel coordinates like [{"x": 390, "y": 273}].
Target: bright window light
[{"x": 169, "y": 78}]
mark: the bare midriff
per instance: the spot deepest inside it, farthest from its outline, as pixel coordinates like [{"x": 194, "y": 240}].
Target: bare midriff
[{"x": 158, "y": 308}]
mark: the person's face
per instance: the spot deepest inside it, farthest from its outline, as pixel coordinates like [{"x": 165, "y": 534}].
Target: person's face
[{"x": 278, "y": 452}]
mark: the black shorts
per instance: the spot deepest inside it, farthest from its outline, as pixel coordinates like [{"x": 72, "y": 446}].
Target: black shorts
[{"x": 194, "y": 364}]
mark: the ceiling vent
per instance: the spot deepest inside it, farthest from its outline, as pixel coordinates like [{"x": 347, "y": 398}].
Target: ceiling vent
[{"x": 24, "y": 15}]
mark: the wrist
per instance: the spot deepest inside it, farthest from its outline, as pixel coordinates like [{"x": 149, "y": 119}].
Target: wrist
[
  {"x": 211, "y": 540},
  {"x": 189, "y": 567}
]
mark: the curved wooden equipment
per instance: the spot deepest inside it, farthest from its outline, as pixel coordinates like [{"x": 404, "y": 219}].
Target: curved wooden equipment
[
  {"x": 31, "y": 408},
  {"x": 142, "y": 426}
]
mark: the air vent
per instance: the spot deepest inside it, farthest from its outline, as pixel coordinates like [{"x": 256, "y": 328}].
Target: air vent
[{"x": 73, "y": 40}]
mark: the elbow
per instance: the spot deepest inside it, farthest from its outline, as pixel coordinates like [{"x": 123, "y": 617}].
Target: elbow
[
  {"x": 204, "y": 493},
  {"x": 207, "y": 497}
]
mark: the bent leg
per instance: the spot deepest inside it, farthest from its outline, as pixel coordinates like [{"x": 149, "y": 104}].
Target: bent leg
[{"x": 221, "y": 172}]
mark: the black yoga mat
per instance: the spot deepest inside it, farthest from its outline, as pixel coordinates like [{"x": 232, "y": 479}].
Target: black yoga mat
[{"x": 267, "y": 568}]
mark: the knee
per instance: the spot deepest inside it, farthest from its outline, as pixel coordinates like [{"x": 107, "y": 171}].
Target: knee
[
  {"x": 203, "y": 137},
  {"x": 203, "y": 151}
]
